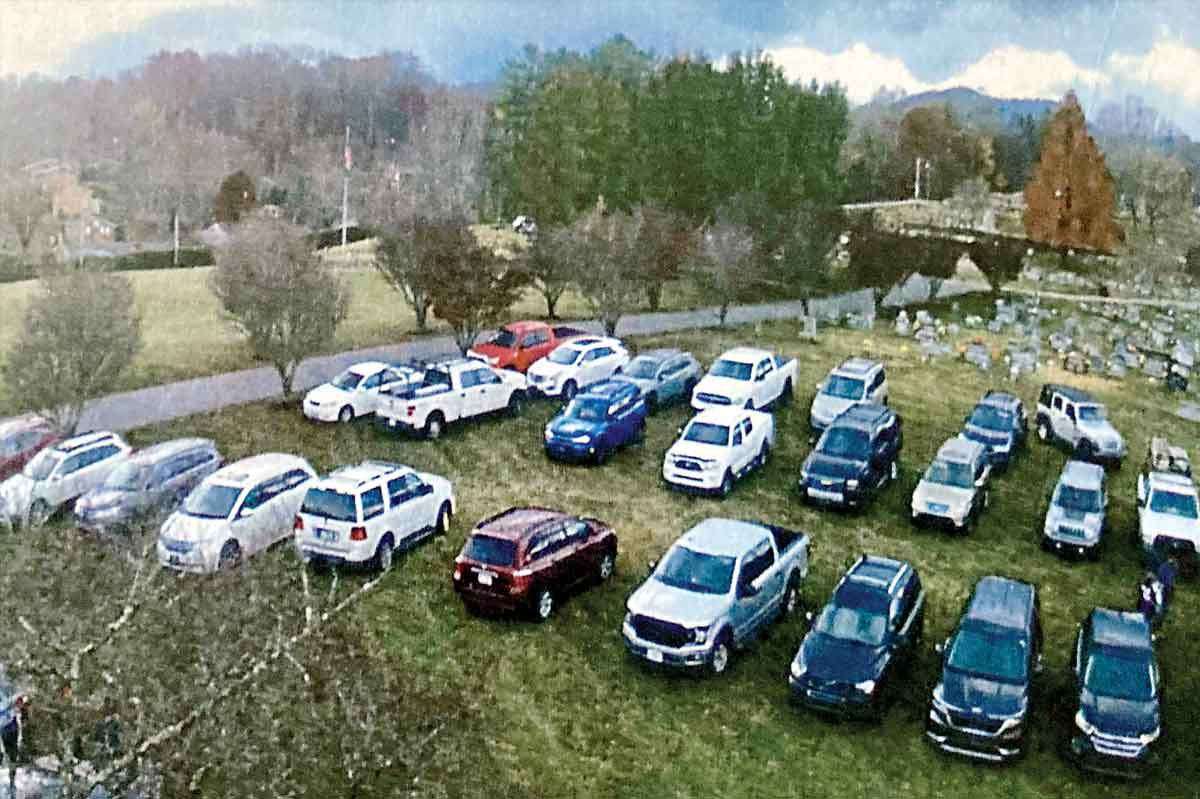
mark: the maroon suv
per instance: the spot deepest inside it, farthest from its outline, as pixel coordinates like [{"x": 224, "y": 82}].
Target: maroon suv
[
  {"x": 20, "y": 440},
  {"x": 526, "y": 559}
]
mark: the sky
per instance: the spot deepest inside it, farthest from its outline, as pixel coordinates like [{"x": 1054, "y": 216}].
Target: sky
[{"x": 1103, "y": 49}]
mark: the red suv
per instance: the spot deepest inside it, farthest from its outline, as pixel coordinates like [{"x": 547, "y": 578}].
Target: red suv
[
  {"x": 526, "y": 559},
  {"x": 20, "y": 440}
]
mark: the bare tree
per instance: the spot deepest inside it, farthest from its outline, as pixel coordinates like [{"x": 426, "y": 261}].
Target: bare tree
[
  {"x": 1149, "y": 183},
  {"x": 404, "y": 255},
  {"x": 25, "y": 203},
  {"x": 81, "y": 331},
  {"x": 723, "y": 267},
  {"x": 602, "y": 250},
  {"x": 279, "y": 294}
]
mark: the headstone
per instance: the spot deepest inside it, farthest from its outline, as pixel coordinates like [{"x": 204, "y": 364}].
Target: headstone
[
  {"x": 808, "y": 328},
  {"x": 1189, "y": 411},
  {"x": 980, "y": 355},
  {"x": 903, "y": 327}
]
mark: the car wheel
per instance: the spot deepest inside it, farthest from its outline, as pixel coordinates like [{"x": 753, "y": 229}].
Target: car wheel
[
  {"x": 230, "y": 557},
  {"x": 718, "y": 661},
  {"x": 569, "y": 390},
  {"x": 652, "y": 401},
  {"x": 785, "y": 396},
  {"x": 791, "y": 600},
  {"x": 763, "y": 455},
  {"x": 639, "y": 436},
  {"x": 726, "y": 483},
  {"x": 515, "y": 404},
  {"x": 894, "y": 471},
  {"x": 1085, "y": 450},
  {"x": 346, "y": 414},
  {"x": 987, "y": 498},
  {"x": 383, "y": 554},
  {"x": 434, "y": 425},
  {"x": 608, "y": 564},
  {"x": 1043, "y": 431},
  {"x": 442, "y": 526},
  {"x": 39, "y": 513},
  {"x": 543, "y": 605}
]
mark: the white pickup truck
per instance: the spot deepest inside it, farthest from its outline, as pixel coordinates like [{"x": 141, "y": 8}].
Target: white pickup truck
[
  {"x": 746, "y": 377},
  {"x": 717, "y": 447},
  {"x": 450, "y": 391}
]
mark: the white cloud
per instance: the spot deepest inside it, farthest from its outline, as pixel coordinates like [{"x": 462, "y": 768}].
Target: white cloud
[
  {"x": 859, "y": 69},
  {"x": 1168, "y": 65}
]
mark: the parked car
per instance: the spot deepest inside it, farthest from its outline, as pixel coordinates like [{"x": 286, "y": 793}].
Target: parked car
[
  {"x": 1120, "y": 693},
  {"x": 953, "y": 492},
  {"x": 999, "y": 422},
  {"x": 746, "y": 377},
  {"x": 148, "y": 486},
  {"x": 47, "y": 777},
  {"x": 662, "y": 376},
  {"x": 528, "y": 559},
  {"x": 519, "y": 344},
  {"x": 20, "y": 440},
  {"x": 362, "y": 514},
  {"x": 356, "y": 391},
  {"x": 236, "y": 512},
  {"x": 855, "y": 381},
  {"x": 59, "y": 474},
  {"x": 451, "y": 391},
  {"x": 1075, "y": 519},
  {"x": 599, "y": 420},
  {"x": 1168, "y": 517},
  {"x": 857, "y": 455},
  {"x": 576, "y": 364},
  {"x": 980, "y": 706},
  {"x": 1071, "y": 416},
  {"x": 1163, "y": 456},
  {"x": 867, "y": 631},
  {"x": 714, "y": 590},
  {"x": 717, "y": 447},
  {"x": 14, "y": 712}
]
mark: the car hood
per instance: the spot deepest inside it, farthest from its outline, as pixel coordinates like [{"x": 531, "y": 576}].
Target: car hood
[
  {"x": 103, "y": 498},
  {"x": 982, "y": 696},
  {"x": 828, "y": 658},
  {"x": 992, "y": 439},
  {"x": 827, "y": 407},
  {"x": 942, "y": 494},
  {"x": 1100, "y": 432},
  {"x": 694, "y": 449},
  {"x": 644, "y": 384},
  {"x": 489, "y": 350},
  {"x": 667, "y": 603},
  {"x": 569, "y": 428},
  {"x": 16, "y": 495},
  {"x": 327, "y": 394},
  {"x": 1057, "y": 515},
  {"x": 547, "y": 368},
  {"x": 1171, "y": 525},
  {"x": 828, "y": 467},
  {"x": 724, "y": 387},
  {"x": 182, "y": 527},
  {"x": 1122, "y": 717}
]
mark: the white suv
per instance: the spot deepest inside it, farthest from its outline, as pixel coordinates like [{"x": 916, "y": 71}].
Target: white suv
[
  {"x": 576, "y": 363},
  {"x": 362, "y": 514},
  {"x": 60, "y": 474},
  {"x": 856, "y": 381},
  {"x": 355, "y": 392},
  {"x": 1168, "y": 516},
  {"x": 237, "y": 511}
]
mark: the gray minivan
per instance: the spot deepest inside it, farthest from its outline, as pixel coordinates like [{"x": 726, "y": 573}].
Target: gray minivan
[{"x": 148, "y": 486}]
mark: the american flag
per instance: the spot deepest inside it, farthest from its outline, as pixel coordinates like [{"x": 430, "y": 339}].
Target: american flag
[{"x": 346, "y": 154}]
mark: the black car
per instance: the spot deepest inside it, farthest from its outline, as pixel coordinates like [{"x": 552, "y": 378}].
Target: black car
[
  {"x": 999, "y": 422},
  {"x": 1117, "y": 677},
  {"x": 871, "y": 625},
  {"x": 980, "y": 705},
  {"x": 856, "y": 455}
]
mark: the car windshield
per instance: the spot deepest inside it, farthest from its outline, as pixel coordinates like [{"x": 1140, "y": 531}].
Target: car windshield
[
  {"x": 1084, "y": 500},
  {"x": 587, "y": 409},
  {"x": 127, "y": 477},
  {"x": 1091, "y": 413},
  {"x": 734, "y": 370},
  {"x": 211, "y": 501},
  {"x": 945, "y": 473},
  {"x": 850, "y": 388},
  {"x": 989, "y": 417},
  {"x": 347, "y": 380},
  {"x": 505, "y": 338},
  {"x": 843, "y": 442},
  {"x": 43, "y": 464},
  {"x": 642, "y": 368},
  {"x": 989, "y": 655},
  {"x": 330, "y": 504},
  {"x": 852, "y": 624},
  {"x": 489, "y": 550},
  {"x": 1173, "y": 503},
  {"x": 1113, "y": 675},
  {"x": 696, "y": 571},
  {"x": 707, "y": 433},
  {"x": 564, "y": 356}
]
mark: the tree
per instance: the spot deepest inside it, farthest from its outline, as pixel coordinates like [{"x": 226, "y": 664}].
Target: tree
[
  {"x": 1150, "y": 184},
  {"x": 547, "y": 268},
  {"x": 724, "y": 266},
  {"x": 25, "y": 204},
  {"x": 933, "y": 134},
  {"x": 973, "y": 199},
  {"x": 601, "y": 249},
  {"x": 234, "y": 198},
  {"x": 665, "y": 242},
  {"x": 1069, "y": 202},
  {"x": 279, "y": 294},
  {"x": 81, "y": 331},
  {"x": 405, "y": 256}
]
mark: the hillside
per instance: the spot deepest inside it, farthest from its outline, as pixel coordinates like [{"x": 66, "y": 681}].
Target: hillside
[{"x": 975, "y": 108}]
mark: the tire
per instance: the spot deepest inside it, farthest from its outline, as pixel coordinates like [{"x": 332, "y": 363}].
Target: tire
[
  {"x": 1085, "y": 451},
  {"x": 726, "y": 484},
  {"x": 230, "y": 557},
  {"x": 543, "y": 605},
  {"x": 651, "y": 402},
  {"x": 718, "y": 661},
  {"x": 515, "y": 403},
  {"x": 346, "y": 415},
  {"x": 39, "y": 513},
  {"x": 384, "y": 553},
  {"x": 569, "y": 390},
  {"x": 442, "y": 525},
  {"x": 1043, "y": 431},
  {"x": 434, "y": 425},
  {"x": 639, "y": 437},
  {"x": 791, "y": 600},
  {"x": 785, "y": 396},
  {"x": 606, "y": 567},
  {"x": 763, "y": 455}
]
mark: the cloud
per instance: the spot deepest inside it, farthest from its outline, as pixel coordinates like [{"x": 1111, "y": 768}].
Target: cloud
[
  {"x": 858, "y": 68},
  {"x": 1169, "y": 65}
]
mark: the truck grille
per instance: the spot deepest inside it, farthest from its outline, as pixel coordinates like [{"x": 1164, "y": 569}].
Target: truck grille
[
  {"x": 1070, "y": 531},
  {"x": 713, "y": 399},
  {"x": 1116, "y": 746},
  {"x": 176, "y": 546},
  {"x": 661, "y": 632},
  {"x": 971, "y": 723},
  {"x": 688, "y": 464}
]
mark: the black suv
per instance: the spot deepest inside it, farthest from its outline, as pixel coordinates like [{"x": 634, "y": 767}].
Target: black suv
[
  {"x": 999, "y": 422},
  {"x": 981, "y": 703},
  {"x": 856, "y": 455},
  {"x": 1119, "y": 690},
  {"x": 872, "y": 624}
]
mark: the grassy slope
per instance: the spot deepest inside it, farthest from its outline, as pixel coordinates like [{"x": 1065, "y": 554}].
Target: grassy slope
[{"x": 565, "y": 713}]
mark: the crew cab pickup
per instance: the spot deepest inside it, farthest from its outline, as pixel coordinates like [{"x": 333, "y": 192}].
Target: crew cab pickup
[
  {"x": 717, "y": 447},
  {"x": 519, "y": 344},
  {"x": 746, "y": 377},
  {"x": 450, "y": 391},
  {"x": 714, "y": 590}
]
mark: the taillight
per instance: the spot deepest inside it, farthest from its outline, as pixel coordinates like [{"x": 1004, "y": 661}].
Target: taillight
[
  {"x": 358, "y": 534},
  {"x": 298, "y": 524},
  {"x": 412, "y": 409},
  {"x": 457, "y": 573}
]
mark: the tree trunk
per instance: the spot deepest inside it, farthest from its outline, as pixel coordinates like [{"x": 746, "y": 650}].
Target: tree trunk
[
  {"x": 287, "y": 373},
  {"x": 654, "y": 296},
  {"x": 610, "y": 324},
  {"x": 551, "y": 298},
  {"x": 421, "y": 311},
  {"x": 175, "y": 225}
]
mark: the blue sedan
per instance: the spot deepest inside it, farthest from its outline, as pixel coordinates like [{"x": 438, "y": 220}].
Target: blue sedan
[
  {"x": 598, "y": 421},
  {"x": 662, "y": 376}
]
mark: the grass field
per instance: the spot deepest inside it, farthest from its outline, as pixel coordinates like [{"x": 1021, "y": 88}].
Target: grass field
[{"x": 558, "y": 710}]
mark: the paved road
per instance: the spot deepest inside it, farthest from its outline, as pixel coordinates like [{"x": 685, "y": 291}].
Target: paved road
[{"x": 163, "y": 403}]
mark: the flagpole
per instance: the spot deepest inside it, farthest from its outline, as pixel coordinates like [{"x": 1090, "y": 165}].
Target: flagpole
[{"x": 346, "y": 187}]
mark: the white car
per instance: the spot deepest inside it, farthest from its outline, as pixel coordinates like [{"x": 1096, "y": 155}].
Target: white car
[
  {"x": 746, "y": 377},
  {"x": 575, "y": 364},
  {"x": 362, "y": 514},
  {"x": 355, "y": 392},
  {"x": 451, "y": 391},
  {"x": 60, "y": 474},
  {"x": 239, "y": 510},
  {"x": 1168, "y": 515},
  {"x": 717, "y": 447}
]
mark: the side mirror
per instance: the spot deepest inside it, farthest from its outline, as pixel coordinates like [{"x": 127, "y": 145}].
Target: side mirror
[
  {"x": 747, "y": 589},
  {"x": 1141, "y": 491},
  {"x": 940, "y": 648},
  {"x": 808, "y": 616},
  {"x": 982, "y": 481},
  {"x": 245, "y": 513},
  {"x": 679, "y": 430},
  {"x": 820, "y": 386}
]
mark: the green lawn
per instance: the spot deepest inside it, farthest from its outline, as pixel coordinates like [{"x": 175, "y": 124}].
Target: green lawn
[{"x": 558, "y": 710}]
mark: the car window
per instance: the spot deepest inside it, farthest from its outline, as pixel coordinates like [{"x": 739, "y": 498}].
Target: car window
[
  {"x": 374, "y": 381},
  {"x": 395, "y": 490},
  {"x": 257, "y": 496},
  {"x": 747, "y": 426},
  {"x": 487, "y": 377},
  {"x": 547, "y": 542},
  {"x": 576, "y": 531},
  {"x": 1058, "y": 403},
  {"x": 737, "y": 437},
  {"x": 391, "y": 376},
  {"x": 292, "y": 479},
  {"x": 878, "y": 381},
  {"x": 757, "y": 562},
  {"x": 372, "y": 503},
  {"x": 1071, "y": 412},
  {"x": 72, "y": 464},
  {"x": 468, "y": 379},
  {"x": 603, "y": 352}
]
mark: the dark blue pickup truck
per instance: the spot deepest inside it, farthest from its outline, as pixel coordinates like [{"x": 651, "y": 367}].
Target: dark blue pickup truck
[{"x": 596, "y": 422}]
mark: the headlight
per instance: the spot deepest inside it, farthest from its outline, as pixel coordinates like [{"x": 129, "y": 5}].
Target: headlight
[
  {"x": 628, "y": 619},
  {"x": 709, "y": 466},
  {"x": 803, "y": 474},
  {"x": 797, "y": 669},
  {"x": 852, "y": 485},
  {"x": 1010, "y": 724},
  {"x": 581, "y": 439},
  {"x": 1086, "y": 728},
  {"x": 494, "y": 360},
  {"x": 700, "y": 634},
  {"x": 1150, "y": 737},
  {"x": 549, "y": 434},
  {"x": 866, "y": 686},
  {"x": 939, "y": 700}
]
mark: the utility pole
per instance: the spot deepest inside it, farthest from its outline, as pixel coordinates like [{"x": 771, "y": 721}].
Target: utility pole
[
  {"x": 346, "y": 187},
  {"x": 917, "y": 180}
]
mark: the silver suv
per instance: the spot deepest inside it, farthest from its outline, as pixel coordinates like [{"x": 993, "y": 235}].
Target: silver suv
[
  {"x": 1075, "y": 518},
  {"x": 954, "y": 489},
  {"x": 856, "y": 381},
  {"x": 1075, "y": 418}
]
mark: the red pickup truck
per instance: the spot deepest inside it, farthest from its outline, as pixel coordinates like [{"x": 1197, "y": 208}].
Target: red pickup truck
[
  {"x": 519, "y": 344},
  {"x": 527, "y": 559}
]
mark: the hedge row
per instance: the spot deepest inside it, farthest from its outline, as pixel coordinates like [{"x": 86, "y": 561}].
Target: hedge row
[{"x": 14, "y": 268}]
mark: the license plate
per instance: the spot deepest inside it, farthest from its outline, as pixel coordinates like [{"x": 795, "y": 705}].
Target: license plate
[
  {"x": 485, "y": 578},
  {"x": 817, "y": 493},
  {"x": 938, "y": 507},
  {"x": 654, "y": 656},
  {"x": 174, "y": 560},
  {"x": 325, "y": 534},
  {"x": 391, "y": 422}
]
